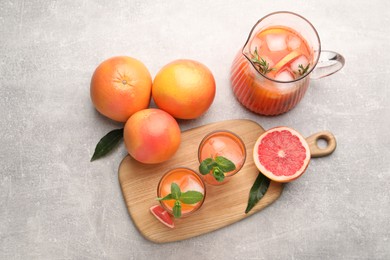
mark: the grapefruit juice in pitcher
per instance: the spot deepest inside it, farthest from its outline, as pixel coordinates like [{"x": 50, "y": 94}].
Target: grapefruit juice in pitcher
[{"x": 271, "y": 73}]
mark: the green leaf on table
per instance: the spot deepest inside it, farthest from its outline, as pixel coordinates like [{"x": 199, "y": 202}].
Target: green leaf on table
[
  {"x": 107, "y": 143},
  {"x": 191, "y": 197},
  {"x": 258, "y": 190}
]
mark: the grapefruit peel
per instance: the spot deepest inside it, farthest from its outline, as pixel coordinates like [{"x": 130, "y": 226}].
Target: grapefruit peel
[
  {"x": 286, "y": 60},
  {"x": 162, "y": 215}
]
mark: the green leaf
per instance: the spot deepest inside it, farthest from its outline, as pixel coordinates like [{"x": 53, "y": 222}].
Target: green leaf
[
  {"x": 262, "y": 64},
  {"x": 225, "y": 164},
  {"x": 168, "y": 197},
  {"x": 218, "y": 174},
  {"x": 303, "y": 70},
  {"x": 177, "y": 209},
  {"x": 107, "y": 143},
  {"x": 191, "y": 197},
  {"x": 206, "y": 165},
  {"x": 258, "y": 190},
  {"x": 175, "y": 191}
]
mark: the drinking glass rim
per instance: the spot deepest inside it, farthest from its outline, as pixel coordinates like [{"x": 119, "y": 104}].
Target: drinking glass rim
[
  {"x": 231, "y": 133},
  {"x": 198, "y": 177},
  {"x": 289, "y": 13}
]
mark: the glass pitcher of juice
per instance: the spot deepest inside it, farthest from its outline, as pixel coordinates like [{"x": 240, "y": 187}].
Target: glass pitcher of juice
[{"x": 282, "y": 53}]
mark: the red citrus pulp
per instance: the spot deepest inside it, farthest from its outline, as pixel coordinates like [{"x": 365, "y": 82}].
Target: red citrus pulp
[
  {"x": 281, "y": 154},
  {"x": 162, "y": 215}
]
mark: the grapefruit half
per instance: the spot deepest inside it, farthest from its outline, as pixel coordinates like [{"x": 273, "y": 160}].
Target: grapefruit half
[
  {"x": 281, "y": 154},
  {"x": 162, "y": 215}
]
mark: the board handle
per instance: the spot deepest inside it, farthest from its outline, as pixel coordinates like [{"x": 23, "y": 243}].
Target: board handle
[{"x": 315, "y": 150}]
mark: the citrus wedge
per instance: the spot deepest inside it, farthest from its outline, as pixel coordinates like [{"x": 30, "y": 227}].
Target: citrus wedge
[
  {"x": 162, "y": 215},
  {"x": 281, "y": 154},
  {"x": 271, "y": 31},
  {"x": 286, "y": 60}
]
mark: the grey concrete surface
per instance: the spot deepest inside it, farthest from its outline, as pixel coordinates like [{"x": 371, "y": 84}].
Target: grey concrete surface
[{"x": 55, "y": 204}]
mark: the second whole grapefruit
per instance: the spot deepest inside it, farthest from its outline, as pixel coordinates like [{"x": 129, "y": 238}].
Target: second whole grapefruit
[{"x": 184, "y": 88}]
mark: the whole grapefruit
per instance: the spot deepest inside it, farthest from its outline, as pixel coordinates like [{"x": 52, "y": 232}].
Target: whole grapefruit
[
  {"x": 120, "y": 86},
  {"x": 151, "y": 136},
  {"x": 184, "y": 88}
]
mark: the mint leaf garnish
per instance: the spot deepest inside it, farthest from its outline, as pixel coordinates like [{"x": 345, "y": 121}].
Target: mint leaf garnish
[
  {"x": 177, "y": 209},
  {"x": 188, "y": 197},
  {"x": 206, "y": 165},
  {"x": 218, "y": 174},
  {"x": 168, "y": 197},
  {"x": 224, "y": 164},
  {"x": 175, "y": 191},
  {"x": 218, "y": 167},
  {"x": 191, "y": 197}
]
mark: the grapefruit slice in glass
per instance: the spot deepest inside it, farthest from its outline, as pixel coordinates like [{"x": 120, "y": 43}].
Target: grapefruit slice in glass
[
  {"x": 162, "y": 215},
  {"x": 281, "y": 154}
]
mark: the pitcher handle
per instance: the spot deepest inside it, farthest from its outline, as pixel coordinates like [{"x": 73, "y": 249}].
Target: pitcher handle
[{"x": 329, "y": 62}]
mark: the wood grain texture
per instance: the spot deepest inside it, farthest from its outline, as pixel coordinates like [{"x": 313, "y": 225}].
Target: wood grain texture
[{"x": 223, "y": 205}]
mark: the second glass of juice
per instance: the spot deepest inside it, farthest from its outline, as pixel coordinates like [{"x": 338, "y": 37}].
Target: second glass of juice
[
  {"x": 222, "y": 143},
  {"x": 187, "y": 180}
]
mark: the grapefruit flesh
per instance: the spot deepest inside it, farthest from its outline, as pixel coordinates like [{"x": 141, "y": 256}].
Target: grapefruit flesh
[
  {"x": 281, "y": 154},
  {"x": 162, "y": 215}
]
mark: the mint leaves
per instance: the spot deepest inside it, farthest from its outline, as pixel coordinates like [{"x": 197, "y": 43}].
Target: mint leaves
[
  {"x": 218, "y": 167},
  {"x": 188, "y": 197},
  {"x": 258, "y": 190},
  {"x": 107, "y": 143}
]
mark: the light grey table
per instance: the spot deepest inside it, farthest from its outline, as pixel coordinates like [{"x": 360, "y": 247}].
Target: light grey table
[{"x": 55, "y": 204}]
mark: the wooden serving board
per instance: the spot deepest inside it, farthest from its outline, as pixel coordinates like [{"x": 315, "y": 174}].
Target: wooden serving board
[{"x": 223, "y": 204}]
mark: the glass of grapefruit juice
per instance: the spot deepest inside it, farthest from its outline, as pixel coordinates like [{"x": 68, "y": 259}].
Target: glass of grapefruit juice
[
  {"x": 187, "y": 180},
  {"x": 271, "y": 73},
  {"x": 222, "y": 143}
]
